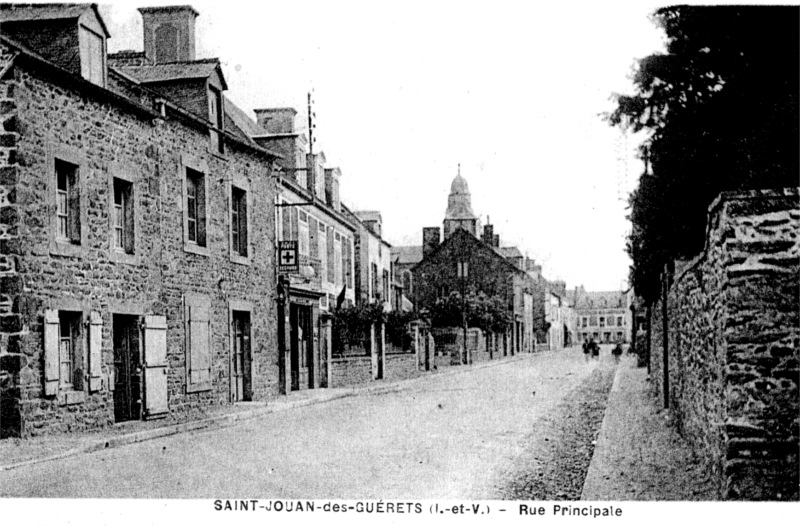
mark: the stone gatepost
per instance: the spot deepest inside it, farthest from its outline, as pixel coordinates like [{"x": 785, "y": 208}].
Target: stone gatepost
[
  {"x": 373, "y": 351},
  {"x": 326, "y": 351}
]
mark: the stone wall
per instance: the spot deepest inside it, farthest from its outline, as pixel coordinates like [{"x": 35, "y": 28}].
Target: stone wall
[
  {"x": 351, "y": 370},
  {"x": 734, "y": 344},
  {"x": 48, "y": 118}
]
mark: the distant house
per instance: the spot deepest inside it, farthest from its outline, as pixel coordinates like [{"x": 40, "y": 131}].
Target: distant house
[{"x": 604, "y": 316}]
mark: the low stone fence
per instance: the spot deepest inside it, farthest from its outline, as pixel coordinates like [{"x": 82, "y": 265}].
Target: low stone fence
[
  {"x": 348, "y": 371},
  {"x": 725, "y": 345}
]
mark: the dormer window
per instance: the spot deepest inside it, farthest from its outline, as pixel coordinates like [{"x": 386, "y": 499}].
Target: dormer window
[
  {"x": 93, "y": 56},
  {"x": 216, "y": 116}
]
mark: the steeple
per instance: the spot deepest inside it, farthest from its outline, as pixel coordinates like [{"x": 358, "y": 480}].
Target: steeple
[{"x": 459, "y": 212}]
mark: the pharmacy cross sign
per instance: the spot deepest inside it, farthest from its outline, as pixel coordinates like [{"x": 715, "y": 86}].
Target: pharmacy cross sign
[{"x": 287, "y": 256}]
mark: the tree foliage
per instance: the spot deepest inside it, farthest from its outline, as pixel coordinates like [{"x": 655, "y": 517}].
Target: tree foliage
[
  {"x": 720, "y": 110},
  {"x": 488, "y": 313}
]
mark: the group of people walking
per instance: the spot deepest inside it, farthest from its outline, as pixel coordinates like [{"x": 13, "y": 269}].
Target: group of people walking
[{"x": 592, "y": 348}]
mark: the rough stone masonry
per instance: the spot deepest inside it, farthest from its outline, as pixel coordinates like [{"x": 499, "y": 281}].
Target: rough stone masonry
[{"x": 733, "y": 343}]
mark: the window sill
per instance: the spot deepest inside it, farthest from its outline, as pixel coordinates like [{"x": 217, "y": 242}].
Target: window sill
[
  {"x": 71, "y": 397},
  {"x": 196, "y": 388},
  {"x": 123, "y": 257},
  {"x": 240, "y": 260},
  {"x": 193, "y": 248},
  {"x": 66, "y": 248},
  {"x": 220, "y": 156}
]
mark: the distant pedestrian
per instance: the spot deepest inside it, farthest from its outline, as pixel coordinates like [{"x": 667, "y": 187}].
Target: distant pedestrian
[
  {"x": 616, "y": 352},
  {"x": 595, "y": 348},
  {"x": 586, "y": 350}
]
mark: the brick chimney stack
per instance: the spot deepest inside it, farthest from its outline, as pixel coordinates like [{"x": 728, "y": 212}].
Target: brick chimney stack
[{"x": 276, "y": 120}]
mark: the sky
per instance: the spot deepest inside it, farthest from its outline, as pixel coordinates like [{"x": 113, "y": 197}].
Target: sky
[{"x": 404, "y": 92}]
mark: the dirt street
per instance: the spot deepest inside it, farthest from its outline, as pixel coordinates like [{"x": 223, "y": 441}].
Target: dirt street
[{"x": 449, "y": 436}]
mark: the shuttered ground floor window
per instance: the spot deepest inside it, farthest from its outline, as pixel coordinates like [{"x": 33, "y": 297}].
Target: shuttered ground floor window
[{"x": 197, "y": 323}]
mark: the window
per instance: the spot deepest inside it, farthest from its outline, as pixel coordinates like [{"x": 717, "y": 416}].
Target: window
[
  {"x": 122, "y": 216},
  {"x": 68, "y": 210},
  {"x": 195, "y": 208},
  {"x": 68, "y": 348},
  {"x": 385, "y": 296},
  {"x": 197, "y": 318},
  {"x": 611, "y": 321},
  {"x": 303, "y": 242},
  {"x": 216, "y": 116},
  {"x": 374, "y": 275},
  {"x": 619, "y": 336},
  {"x": 584, "y": 321},
  {"x": 239, "y": 222},
  {"x": 602, "y": 321},
  {"x": 619, "y": 321},
  {"x": 407, "y": 283},
  {"x": 93, "y": 56}
]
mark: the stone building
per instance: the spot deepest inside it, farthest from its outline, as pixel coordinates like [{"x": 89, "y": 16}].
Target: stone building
[
  {"x": 310, "y": 212},
  {"x": 374, "y": 268},
  {"x": 438, "y": 275},
  {"x": 136, "y": 228},
  {"x": 604, "y": 316}
]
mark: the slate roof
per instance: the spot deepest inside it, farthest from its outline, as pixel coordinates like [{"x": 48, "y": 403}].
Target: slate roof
[
  {"x": 239, "y": 123},
  {"x": 32, "y": 12},
  {"x": 614, "y": 299},
  {"x": 407, "y": 254},
  {"x": 508, "y": 252},
  {"x": 190, "y": 69}
]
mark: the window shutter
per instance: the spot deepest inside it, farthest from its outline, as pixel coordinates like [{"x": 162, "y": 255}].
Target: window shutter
[
  {"x": 74, "y": 205},
  {"x": 201, "y": 211},
  {"x": 95, "y": 351},
  {"x": 312, "y": 237},
  {"x": 129, "y": 221},
  {"x": 243, "y": 225},
  {"x": 331, "y": 261},
  {"x": 199, "y": 348},
  {"x": 51, "y": 359},
  {"x": 286, "y": 223},
  {"x": 295, "y": 219}
]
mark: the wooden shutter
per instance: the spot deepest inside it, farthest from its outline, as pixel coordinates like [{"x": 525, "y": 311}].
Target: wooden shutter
[
  {"x": 198, "y": 347},
  {"x": 129, "y": 219},
  {"x": 155, "y": 365},
  {"x": 312, "y": 238},
  {"x": 95, "y": 351},
  {"x": 74, "y": 206},
  {"x": 201, "y": 210},
  {"x": 243, "y": 225},
  {"x": 331, "y": 277},
  {"x": 295, "y": 220},
  {"x": 51, "y": 357}
]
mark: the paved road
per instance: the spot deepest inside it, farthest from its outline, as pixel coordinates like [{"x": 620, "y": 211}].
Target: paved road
[{"x": 443, "y": 437}]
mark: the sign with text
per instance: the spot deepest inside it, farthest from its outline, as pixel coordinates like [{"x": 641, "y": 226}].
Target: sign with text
[{"x": 288, "y": 259}]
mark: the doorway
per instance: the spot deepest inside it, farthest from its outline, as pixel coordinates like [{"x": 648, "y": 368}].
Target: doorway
[
  {"x": 301, "y": 351},
  {"x": 242, "y": 383},
  {"x": 127, "y": 368}
]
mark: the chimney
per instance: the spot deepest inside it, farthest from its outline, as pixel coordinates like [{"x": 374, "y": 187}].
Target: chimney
[
  {"x": 488, "y": 235},
  {"x": 276, "y": 120},
  {"x": 496, "y": 240},
  {"x": 169, "y": 33},
  {"x": 332, "y": 176},
  {"x": 431, "y": 237}
]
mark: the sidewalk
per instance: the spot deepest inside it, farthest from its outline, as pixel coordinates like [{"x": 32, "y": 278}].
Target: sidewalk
[
  {"x": 19, "y": 453},
  {"x": 639, "y": 455}
]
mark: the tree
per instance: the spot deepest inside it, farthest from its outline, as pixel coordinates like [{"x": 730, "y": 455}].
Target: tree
[
  {"x": 720, "y": 110},
  {"x": 488, "y": 313}
]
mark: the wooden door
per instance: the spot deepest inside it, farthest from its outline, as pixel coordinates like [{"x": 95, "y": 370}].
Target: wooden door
[
  {"x": 242, "y": 380},
  {"x": 127, "y": 369}
]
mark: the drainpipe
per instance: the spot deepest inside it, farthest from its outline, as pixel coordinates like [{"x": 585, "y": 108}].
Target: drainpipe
[{"x": 665, "y": 338}]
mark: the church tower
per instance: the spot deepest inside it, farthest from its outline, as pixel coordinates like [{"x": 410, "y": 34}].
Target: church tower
[{"x": 459, "y": 212}]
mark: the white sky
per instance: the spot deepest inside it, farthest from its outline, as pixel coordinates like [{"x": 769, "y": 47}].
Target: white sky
[{"x": 406, "y": 90}]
